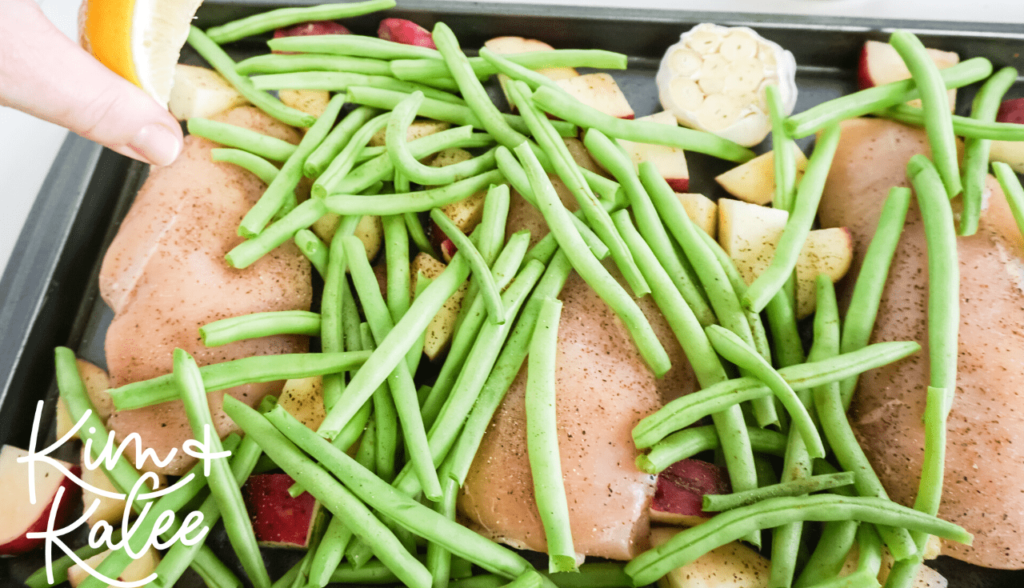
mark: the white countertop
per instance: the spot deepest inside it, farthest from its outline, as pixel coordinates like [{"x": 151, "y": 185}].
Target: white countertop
[{"x": 28, "y": 146}]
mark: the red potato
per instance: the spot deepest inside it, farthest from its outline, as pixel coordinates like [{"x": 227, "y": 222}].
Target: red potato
[
  {"x": 881, "y": 64},
  {"x": 1010, "y": 152},
  {"x": 97, "y": 384},
  {"x": 680, "y": 492},
  {"x": 405, "y": 32},
  {"x": 669, "y": 161},
  {"x": 599, "y": 90},
  {"x": 20, "y": 516},
  {"x": 984, "y": 489},
  {"x": 278, "y": 519},
  {"x": 512, "y": 45},
  {"x": 164, "y": 276}
]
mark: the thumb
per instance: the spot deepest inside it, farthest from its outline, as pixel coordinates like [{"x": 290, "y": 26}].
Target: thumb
[{"x": 45, "y": 74}]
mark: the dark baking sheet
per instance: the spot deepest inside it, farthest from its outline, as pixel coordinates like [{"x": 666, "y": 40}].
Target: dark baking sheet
[{"x": 49, "y": 295}]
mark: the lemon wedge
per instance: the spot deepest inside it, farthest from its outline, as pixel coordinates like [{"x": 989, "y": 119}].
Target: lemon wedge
[{"x": 140, "y": 40}]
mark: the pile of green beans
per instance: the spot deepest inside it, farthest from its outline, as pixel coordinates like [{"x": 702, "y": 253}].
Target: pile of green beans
[{"x": 389, "y": 459}]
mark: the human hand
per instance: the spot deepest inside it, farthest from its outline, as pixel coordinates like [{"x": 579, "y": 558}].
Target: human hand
[{"x": 47, "y": 75}]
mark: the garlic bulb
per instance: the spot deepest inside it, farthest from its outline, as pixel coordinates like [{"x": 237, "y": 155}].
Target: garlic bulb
[{"x": 713, "y": 79}]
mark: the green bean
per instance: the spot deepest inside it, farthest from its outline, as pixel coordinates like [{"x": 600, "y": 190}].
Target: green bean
[
  {"x": 405, "y": 511},
  {"x": 732, "y": 348},
  {"x": 342, "y": 164},
  {"x": 488, "y": 237},
  {"x": 568, "y": 108},
  {"x": 515, "y": 71},
  {"x": 984, "y": 108},
  {"x": 471, "y": 88},
  {"x": 339, "y": 82},
  {"x": 480, "y": 581},
  {"x": 689, "y": 442},
  {"x": 399, "y": 379},
  {"x": 404, "y": 161},
  {"x": 516, "y": 175},
  {"x": 286, "y": 17},
  {"x": 689, "y": 544},
  {"x": 418, "y": 235},
  {"x": 444, "y": 432},
  {"x": 799, "y": 487},
  {"x": 943, "y": 275},
  {"x": 877, "y": 98},
  {"x": 482, "y": 273},
  {"x": 291, "y": 172},
  {"x": 241, "y": 138},
  {"x": 381, "y": 165},
  {"x": 568, "y": 171},
  {"x": 333, "y": 495},
  {"x": 412, "y": 201},
  {"x": 423, "y": 69},
  {"x": 353, "y": 45},
  {"x": 329, "y": 553},
  {"x": 851, "y": 457},
  {"x": 260, "y": 324},
  {"x": 868, "y": 565},
  {"x": 225, "y": 66},
  {"x": 685, "y": 411},
  {"x": 396, "y": 249},
  {"x": 943, "y": 333},
  {"x": 444, "y": 111},
  {"x": 332, "y": 145},
  {"x": 935, "y": 104},
  {"x": 222, "y": 485},
  {"x": 59, "y": 567},
  {"x": 272, "y": 63},
  {"x": 653, "y": 197},
  {"x": 375, "y": 572},
  {"x": 259, "y": 167},
  {"x": 867, "y": 291},
  {"x": 179, "y": 556},
  {"x": 962, "y": 125},
  {"x": 1013, "y": 191},
  {"x": 589, "y": 268},
  {"x": 707, "y": 368},
  {"x": 122, "y": 475},
  {"x": 237, "y": 372},
  {"x": 386, "y": 419},
  {"x": 834, "y": 545},
  {"x": 334, "y": 304},
  {"x": 439, "y": 559},
  {"x": 301, "y": 217},
  {"x": 394, "y": 348},
  {"x": 504, "y": 371},
  {"x": 784, "y": 158},
  {"x": 805, "y": 209},
  {"x": 542, "y": 439},
  {"x": 472, "y": 141}
]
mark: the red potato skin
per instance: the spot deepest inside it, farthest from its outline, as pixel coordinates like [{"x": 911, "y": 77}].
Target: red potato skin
[
  {"x": 680, "y": 492},
  {"x": 863, "y": 73},
  {"x": 307, "y": 29},
  {"x": 164, "y": 275},
  {"x": 406, "y": 32},
  {"x": 681, "y": 185},
  {"x": 278, "y": 520},
  {"x": 1011, "y": 111},
  {"x": 68, "y": 503}
]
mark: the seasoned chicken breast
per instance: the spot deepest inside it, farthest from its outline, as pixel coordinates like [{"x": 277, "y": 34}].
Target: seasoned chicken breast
[
  {"x": 984, "y": 484},
  {"x": 165, "y": 276},
  {"x": 604, "y": 388}
]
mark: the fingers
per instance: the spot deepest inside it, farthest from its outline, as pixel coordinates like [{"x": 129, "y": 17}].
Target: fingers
[{"x": 45, "y": 74}]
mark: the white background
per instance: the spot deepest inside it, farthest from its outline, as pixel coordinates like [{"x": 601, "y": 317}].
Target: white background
[{"x": 28, "y": 146}]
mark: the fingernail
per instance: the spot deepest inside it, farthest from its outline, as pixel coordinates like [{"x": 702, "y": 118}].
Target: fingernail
[{"x": 157, "y": 144}]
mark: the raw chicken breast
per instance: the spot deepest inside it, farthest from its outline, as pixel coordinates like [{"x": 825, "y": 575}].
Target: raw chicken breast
[
  {"x": 604, "y": 388},
  {"x": 984, "y": 488},
  {"x": 165, "y": 276}
]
